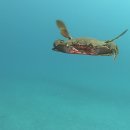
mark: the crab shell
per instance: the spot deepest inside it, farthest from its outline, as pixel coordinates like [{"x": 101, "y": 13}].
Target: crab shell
[{"x": 86, "y": 46}]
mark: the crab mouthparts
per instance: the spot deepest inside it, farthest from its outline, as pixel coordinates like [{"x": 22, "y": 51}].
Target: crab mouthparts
[{"x": 54, "y": 49}]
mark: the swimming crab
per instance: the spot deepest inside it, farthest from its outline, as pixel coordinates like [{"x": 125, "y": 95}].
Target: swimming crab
[{"x": 85, "y": 46}]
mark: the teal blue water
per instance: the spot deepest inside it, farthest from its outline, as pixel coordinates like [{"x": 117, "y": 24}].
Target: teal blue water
[{"x": 45, "y": 90}]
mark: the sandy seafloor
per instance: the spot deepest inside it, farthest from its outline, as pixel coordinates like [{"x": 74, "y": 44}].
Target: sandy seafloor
[
  {"x": 38, "y": 105},
  {"x": 45, "y": 90}
]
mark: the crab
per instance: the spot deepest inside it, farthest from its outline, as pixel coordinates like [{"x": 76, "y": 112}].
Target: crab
[{"x": 85, "y": 46}]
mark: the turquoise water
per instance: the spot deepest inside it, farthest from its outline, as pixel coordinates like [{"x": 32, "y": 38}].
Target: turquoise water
[{"x": 45, "y": 90}]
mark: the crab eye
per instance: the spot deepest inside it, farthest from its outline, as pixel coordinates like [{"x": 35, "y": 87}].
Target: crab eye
[
  {"x": 58, "y": 42},
  {"x": 61, "y": 41}
]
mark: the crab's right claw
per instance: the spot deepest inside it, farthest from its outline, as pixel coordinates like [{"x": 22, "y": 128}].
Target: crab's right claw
[{"x": 63, "y": 29}]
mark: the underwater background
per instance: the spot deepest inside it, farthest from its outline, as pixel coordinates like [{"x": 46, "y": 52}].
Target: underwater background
[{"x": 41, "y": 89}]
